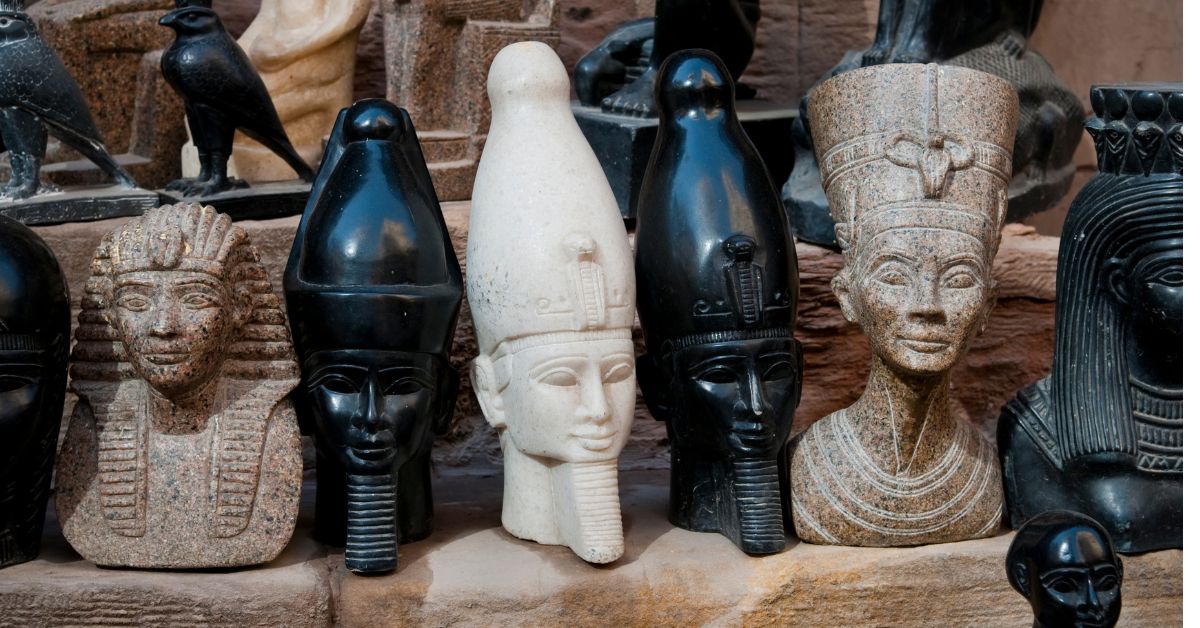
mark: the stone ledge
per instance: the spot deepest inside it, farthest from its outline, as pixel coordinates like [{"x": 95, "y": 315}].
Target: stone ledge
[{"x": 470, "y": 572}]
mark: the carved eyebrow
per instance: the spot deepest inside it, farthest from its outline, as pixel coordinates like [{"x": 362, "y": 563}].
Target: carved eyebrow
[
  {"x": 888, "y": 256},
  {"x": 198, "y": 281},
  {"x": 1060, "y": 571},
  {"x": 775, "y": 354},
  {"x": 612, "y": 357},
  {"x": 959, "y": 258},
  {"x": 717, "y": 360},
  {"x": 123, "y": 282}
]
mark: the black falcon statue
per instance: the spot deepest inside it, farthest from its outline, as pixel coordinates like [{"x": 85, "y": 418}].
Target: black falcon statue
[
  {"x": 221, "y": 93},
  {"x": 38, "y": 94}
]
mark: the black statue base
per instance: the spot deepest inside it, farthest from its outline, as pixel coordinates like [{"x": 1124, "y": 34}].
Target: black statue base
[
  {"x": 261, "y": 201},
  {"x": 623, "y": 144},
  {"x": 80, "y": 204}
]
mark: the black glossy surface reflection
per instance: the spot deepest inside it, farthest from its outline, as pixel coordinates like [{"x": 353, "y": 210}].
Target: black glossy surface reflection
[
  {"x": 716, "y": 276},
  {"x": 35, "y": 323},
  {"x": 1065, "y": 564},
  {"x": 1103, "y": 435},
  {"x": 373, "y": 289}
]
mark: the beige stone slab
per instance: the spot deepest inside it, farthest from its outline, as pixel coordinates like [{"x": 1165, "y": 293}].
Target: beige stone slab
[{"x": 470, "y": 572}]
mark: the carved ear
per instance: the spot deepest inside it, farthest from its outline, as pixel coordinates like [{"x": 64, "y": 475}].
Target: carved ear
[
  {"x": 447, "y": 395},
  {"x": 1113, "y": 274},
  {"x": 655, "y": 387},
  {"x": 483, "y": 380},
  {"x": 1021, "y": 577},
  {"x": 841, "y": 289},
  {"x": 842, "y": 232}
]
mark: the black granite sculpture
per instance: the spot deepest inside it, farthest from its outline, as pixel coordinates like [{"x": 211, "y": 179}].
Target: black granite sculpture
[
  {"x": 35, "y": 327},
  {"x": 1103, "y": 434},
  {"x": 223, "y": 93},
  {"x": 987, "y": 35},
  {"x": 716, "y": 276},
  {"x": 1064, "y": 563},
  {"x": 615, "y": 83},
  {"x": 373, "y": 290},
  {"x": 37, "y": 96}
]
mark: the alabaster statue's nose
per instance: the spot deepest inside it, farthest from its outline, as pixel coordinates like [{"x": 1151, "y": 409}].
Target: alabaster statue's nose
[{"x": 594, "y": 406}]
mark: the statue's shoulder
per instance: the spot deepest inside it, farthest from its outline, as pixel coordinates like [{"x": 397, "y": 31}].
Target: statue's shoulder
[{"x": 1030, "y": 415}]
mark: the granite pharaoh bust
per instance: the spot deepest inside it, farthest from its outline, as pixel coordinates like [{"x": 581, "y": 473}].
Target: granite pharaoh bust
[
  {"x": 915, "y": 160},
  {"x": 550, "y": 285},
  {"x": 35, "y": 331},
  {"x": 1065, "y": 564},
  {"x": 183, "y": 450},
  {"x": 373, "y": 291},
  {"x": 716, "y": 268},
  {"x": 1103, "y": 434}
]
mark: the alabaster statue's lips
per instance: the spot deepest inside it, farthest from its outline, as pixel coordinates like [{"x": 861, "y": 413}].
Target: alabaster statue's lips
[{"x": 595, "y": 438}]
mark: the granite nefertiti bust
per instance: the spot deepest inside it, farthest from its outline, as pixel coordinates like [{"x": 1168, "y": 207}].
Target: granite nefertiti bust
[
  {"x": 915, "y": 161},
  {"x": 717, "y": 282},
  {"x": 1065, "y": 564},
  {"x": 550, "y": 284},
  {"x": 183, "y": 450},
  {"x": 35, "y": 328},
  {"x": 1103, "y": 434},
  {"x": 373, "y": 291}
]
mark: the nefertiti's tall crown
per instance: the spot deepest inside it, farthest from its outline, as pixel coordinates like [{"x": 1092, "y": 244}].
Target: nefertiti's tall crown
[{"x": 897, "y": 141}]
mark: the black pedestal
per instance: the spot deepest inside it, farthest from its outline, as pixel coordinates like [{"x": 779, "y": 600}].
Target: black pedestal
[
  {"x": 260, "y": 201},
  {"x": 79, "y": 204},
  {"x": 623, "y": 144}
]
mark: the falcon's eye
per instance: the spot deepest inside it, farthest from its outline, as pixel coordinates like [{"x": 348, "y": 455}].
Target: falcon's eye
[{"x": 4, "y": 22}]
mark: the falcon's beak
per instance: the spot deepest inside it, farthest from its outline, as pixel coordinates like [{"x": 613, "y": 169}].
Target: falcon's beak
[{"x": 168, "y": 20}]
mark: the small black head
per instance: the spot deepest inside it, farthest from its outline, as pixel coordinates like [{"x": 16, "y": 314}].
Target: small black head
[
  {"x": 15, "y": 25},
  {"x": 694, "y": 82},
  {"x": 191, "y": 20},
  {"x": 374, "y": 119}
]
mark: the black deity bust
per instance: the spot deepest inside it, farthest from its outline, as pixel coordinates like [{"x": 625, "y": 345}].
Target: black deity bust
[
  {"x": 373, "y": 290},
  {"x": 35, "y": 327},
  {"x": 1065, "y": 564},
  {"x": 1103, "y": 434},
  {"x": 716, "y": 276}
]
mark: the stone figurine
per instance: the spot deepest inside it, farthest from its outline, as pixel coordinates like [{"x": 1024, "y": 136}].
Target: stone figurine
[
  {"x": 550, "y": 286},
  {"x": 35, "y": 333},
  {"x": 619, "y": 75},
  {"x": 304, "y": 50},
  {"x": 1065, "y": 564},
  {"x": 222, "y": 93},
  {"x": 1103, "y": 434},
  {"x": 988, "y": 35},
  {"x": 915, "y": 160},
  {"x": 183, "y": 449},
  {"x": 717, "y": 277},
  {"x": 373, "y": 291}
]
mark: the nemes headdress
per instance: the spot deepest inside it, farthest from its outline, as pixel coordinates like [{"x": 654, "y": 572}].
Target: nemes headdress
[{"x": 912, "y": 145}]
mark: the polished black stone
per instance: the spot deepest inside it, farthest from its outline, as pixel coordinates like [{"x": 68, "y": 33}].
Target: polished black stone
[
  {"x": 1103, "y": 434},
  {"x": 717, "y": 282},
  {"x": 373, "y": 290},
  {"x": 1065, "y": 564},
  {"x": 222, "y": 93},
  {"x": 987, "y": 35},
  {"x": 35, "y": 326},
  {"x": 263, "y": 201}
]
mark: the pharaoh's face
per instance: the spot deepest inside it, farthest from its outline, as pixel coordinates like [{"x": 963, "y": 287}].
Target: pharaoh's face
[
  {"x": 1078, "y": 584},
  {"x": 735, "y": 399},
  {"x": 571, "y": 401},
  {"x": 1153, "y": 281},
  {"x": 374, "y": 409},
  {"x": 175, "y": 325},
  {"x": 920, "y": 295},
  {"x": 21, "y": 384}
]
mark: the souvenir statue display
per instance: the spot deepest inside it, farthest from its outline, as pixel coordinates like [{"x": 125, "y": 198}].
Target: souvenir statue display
[
  {"x": 35, "y": 334},
  {"x": 1103, "y": 434},
  {"x": 717, "y": 277},
  {"x": 915, "y": 160},
  {"x": 550, "y": 287},
  {"x": 183, "y": 449},
  {"x": 223, "y": 93},
  {"x": 38, "y": 97},
  {"x": 304, "y": 51},
  {"x": 988, "y": 35},
  {"x": 615, "y": 83},
  {"x": 1065, "y": 564},
  {"x": 373, "y": 291}
]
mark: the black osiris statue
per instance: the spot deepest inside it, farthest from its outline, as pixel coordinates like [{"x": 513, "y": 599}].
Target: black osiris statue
[
  {"x": 1064, "y": 563},
  {"x": 1103, "y": 434},
  {"x": 37, "y": 95},
  {"x": 35, "y": 326},
  {"x": 987, "y": 35},
  {"x": 716, "y": 276},
  {"x": 373, "y": 290},
  {"x": 619, "y": 74},
  {"x": 222, "y": 93}
]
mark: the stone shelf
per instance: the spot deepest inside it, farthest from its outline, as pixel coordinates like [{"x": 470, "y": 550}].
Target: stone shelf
[{"x": 471, "y": 573}]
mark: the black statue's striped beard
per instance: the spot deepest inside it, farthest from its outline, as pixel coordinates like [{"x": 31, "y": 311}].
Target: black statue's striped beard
[
  {"x": 759, "y": 510},
  {"x": 370, "y": 523}
]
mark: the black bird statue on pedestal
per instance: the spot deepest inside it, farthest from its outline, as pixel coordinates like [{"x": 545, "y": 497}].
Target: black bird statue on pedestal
[
  {"x": 38, "y": 94},
  {"x": 222, "y": 93}
]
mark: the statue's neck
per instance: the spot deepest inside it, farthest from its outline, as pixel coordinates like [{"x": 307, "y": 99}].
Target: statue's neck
[
  {"x": 186, "y": 414},
  {"x": 899, "y": 417}
]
